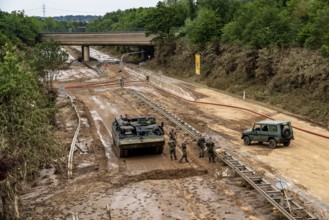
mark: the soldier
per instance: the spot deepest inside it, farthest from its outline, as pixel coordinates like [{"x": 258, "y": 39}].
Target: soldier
[
  {"x": 172, "y": 134},
  {"x": 172, "y": 149},
  {"x": 201, "y": 145},
  {"x": 122, "y": 84},
  {"x": 211, "y": 153},
  {"x": 184, "y": 152}
]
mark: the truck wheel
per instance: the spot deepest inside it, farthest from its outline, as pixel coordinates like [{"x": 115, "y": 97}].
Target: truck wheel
[
  {"x": 246, "y": 140},
  {"x": 272, "y": 143},
  {"x": 286, "y": 143}
]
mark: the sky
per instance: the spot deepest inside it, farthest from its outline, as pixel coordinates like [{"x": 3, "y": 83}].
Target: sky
[{"x": 72, "y": 7}]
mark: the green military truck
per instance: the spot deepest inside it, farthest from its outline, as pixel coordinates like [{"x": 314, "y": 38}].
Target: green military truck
[
  {"x": 131, "y": 133},
  {"x": 272, "y": 132}
]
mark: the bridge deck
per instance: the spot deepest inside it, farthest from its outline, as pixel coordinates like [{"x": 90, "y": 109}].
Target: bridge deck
[{"x": 99, "y": 38}]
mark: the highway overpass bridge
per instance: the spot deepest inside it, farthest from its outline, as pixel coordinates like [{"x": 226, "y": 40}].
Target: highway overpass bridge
[{"x": 85, "y": 39}]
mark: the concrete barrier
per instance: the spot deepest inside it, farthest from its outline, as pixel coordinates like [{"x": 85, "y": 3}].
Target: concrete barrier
[{"x": 158, "y": 81}]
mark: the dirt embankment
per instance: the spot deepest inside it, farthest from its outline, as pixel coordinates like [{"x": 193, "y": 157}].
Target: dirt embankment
[{"x": 293, "y": 79}]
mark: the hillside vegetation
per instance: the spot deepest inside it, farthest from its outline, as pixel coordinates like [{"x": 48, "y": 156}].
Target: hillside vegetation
[
  {"x": 291, "y": 79},
  {"x": 275, "y": 50},
  {"x": 27, "y": 107}
]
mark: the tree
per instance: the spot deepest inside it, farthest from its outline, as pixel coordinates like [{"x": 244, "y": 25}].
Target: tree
[
  {"x": 48, "y": 60},
  {"x": 259, "y": 23},
  {"x": 206, "y": 27},
  {"x": 17, "y": 29},
  {"x": 225, "y": 9},
  {"x": 314, "y": 33},
  {"x": 163, "y": 20},
  {"x": 51, "y": 25},
  {"x": 131, "y": 20},
  {"x": 192, "y": 8},
  {"x": 109, "y": 22},
  {"x": 26, "y": 136},
  {"x": 170, "y": 2}
]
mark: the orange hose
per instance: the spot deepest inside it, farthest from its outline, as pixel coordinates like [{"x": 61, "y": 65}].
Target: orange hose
[
  {"x": 245, "y": 109},
  {"x": 198, "y": 102}
]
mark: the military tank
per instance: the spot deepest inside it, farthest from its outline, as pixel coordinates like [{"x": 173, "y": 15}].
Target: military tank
[{"x": 136, "y": 133}]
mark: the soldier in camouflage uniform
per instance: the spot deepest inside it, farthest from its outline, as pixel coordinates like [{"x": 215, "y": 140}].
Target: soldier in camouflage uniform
[
  {"x": 172, "y": 149},
  {"x": 122, "y": 83},
  {"x": 184, "y": 152},
  {"x": 172, "y": 134},
  {"x": 201, "y": 145},
  {"x": 211, "y": 153}
]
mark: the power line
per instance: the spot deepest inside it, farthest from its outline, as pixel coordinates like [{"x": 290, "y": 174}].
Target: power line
[
  {"x": 43, "y": 8},
  {"x": 58, "y": 9},
  {"x": 32, "y": 9}
]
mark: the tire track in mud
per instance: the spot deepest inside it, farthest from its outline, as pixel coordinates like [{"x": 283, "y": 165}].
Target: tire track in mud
[
  {"x": 253, "y": 199},
  {"x": 156, "y": 187},
  {"x": 259, "y": 195},
  {"x": 164, "y": 174},
  {"x": 105, "y": 138}
]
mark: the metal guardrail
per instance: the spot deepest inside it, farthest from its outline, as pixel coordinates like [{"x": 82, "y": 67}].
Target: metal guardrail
[{"x": 289, "y": 208}]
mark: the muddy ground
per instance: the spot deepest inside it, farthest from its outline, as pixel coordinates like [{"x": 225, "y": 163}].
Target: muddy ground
[{"x": 155, "y": 187}]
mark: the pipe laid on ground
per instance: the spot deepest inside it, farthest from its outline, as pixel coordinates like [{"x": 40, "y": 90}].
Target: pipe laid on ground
[{"x": 74, "y": 140}]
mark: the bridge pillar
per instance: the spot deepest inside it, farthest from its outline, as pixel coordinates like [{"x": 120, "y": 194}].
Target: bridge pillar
[{"x": 85, "y": 53}]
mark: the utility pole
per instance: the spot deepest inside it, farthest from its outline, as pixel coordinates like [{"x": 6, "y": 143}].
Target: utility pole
[{"x": 44, "y": 10}]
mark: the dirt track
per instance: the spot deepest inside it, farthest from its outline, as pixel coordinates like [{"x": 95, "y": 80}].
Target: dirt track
[{"x": 153, "y": 186}]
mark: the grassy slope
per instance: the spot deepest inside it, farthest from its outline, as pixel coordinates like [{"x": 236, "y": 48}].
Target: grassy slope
[{"x": 293, "y": 79}]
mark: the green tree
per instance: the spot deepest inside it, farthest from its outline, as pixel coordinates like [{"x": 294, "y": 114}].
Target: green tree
[
  {"x": 48, "y": 59},
  {"x": 17, "y": 29},
  {"x": 25, "y": 132},
  {"x": 299, "y": 11},
  {"x": 170, "y": 2},
  {"x": 315, "y": 32},
  {"x": 163, "y": 20},
  {"x": 206, "y": 27},
  {"x": 51, "y": 25},
  {"x": 131, "y": 20},
  {"x": 259, "y": 23},
  {"x": 225, "y": 9},
  {"x": 192, "y": 8},
  {"x": 106, "y": 23}
]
